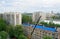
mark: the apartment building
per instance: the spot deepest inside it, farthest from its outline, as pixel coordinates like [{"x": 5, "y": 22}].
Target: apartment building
[
  {"x": 1, "y": 15},
  {"x": 13, "y": 18},
  {"x": 43, "y": 15},
  {"x": 58, "y": 33},
  {"x": 41, "y": 31},
  {"x": 36, "y": 15}
]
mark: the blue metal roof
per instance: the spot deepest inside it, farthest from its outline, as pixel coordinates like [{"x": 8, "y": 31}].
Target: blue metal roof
[
  {"x": 42, "y": 27},
  {"x": 46, "y": 28}
]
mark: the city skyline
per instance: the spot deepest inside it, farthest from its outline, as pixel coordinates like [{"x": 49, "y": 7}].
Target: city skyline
[{"x": 29, "y": 5}]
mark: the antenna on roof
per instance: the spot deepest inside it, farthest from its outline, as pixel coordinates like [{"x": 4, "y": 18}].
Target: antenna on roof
[{"x": 35, "y": 26}]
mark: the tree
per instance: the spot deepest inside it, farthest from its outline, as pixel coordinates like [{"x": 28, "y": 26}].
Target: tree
[
  {"x": 3, "y": 35},
  {"x": 15, "y": 31},
  {"x": 10, "y": 30},
  {"x": 18, "y": 31},
  {"x": 47, "y": 37},
  {"x": 44, "y": 23},
  {"x": 2, "y": 25},
  {"x": 22, "y": 37},
  {"x": 26, "y": 19}
]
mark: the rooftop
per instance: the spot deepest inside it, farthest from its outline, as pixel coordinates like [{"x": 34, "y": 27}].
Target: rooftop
[{"x": 42, "y": 27}]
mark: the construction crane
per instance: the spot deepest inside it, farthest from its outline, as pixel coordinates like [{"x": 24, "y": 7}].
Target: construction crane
[{"x": 30, "y": 36}]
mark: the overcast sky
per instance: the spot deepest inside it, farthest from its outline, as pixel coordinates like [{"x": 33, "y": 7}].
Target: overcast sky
[{"x": 29, "y": 5}]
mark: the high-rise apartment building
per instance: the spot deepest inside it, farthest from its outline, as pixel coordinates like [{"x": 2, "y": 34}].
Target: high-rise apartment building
[
  {"x": 43, "y": 15},
  {"x": 13, "y": 18}
]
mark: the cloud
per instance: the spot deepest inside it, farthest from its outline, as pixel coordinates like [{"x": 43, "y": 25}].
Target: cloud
[{"x": 30, "y": 5}]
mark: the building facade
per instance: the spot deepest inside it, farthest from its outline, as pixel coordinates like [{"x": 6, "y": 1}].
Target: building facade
[
  {"x": 13, "y": 18},
  {"x": 36, "y": 16},
  {"x": 44, "y": 16},
  {"x": 41, "y": 31}
]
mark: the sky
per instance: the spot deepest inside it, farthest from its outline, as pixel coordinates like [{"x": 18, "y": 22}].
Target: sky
[{"x": 29, "y": 5}]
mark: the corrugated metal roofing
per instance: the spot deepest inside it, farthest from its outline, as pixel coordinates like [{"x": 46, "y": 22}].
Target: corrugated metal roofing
[{"x": 42, "y": 27}]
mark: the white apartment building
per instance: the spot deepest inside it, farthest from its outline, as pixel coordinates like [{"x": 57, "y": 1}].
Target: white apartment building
[
  {"x": 36, "y": 15},
  {"x": 43, "y": 15},
  {"x": 13, "y": 18}
]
